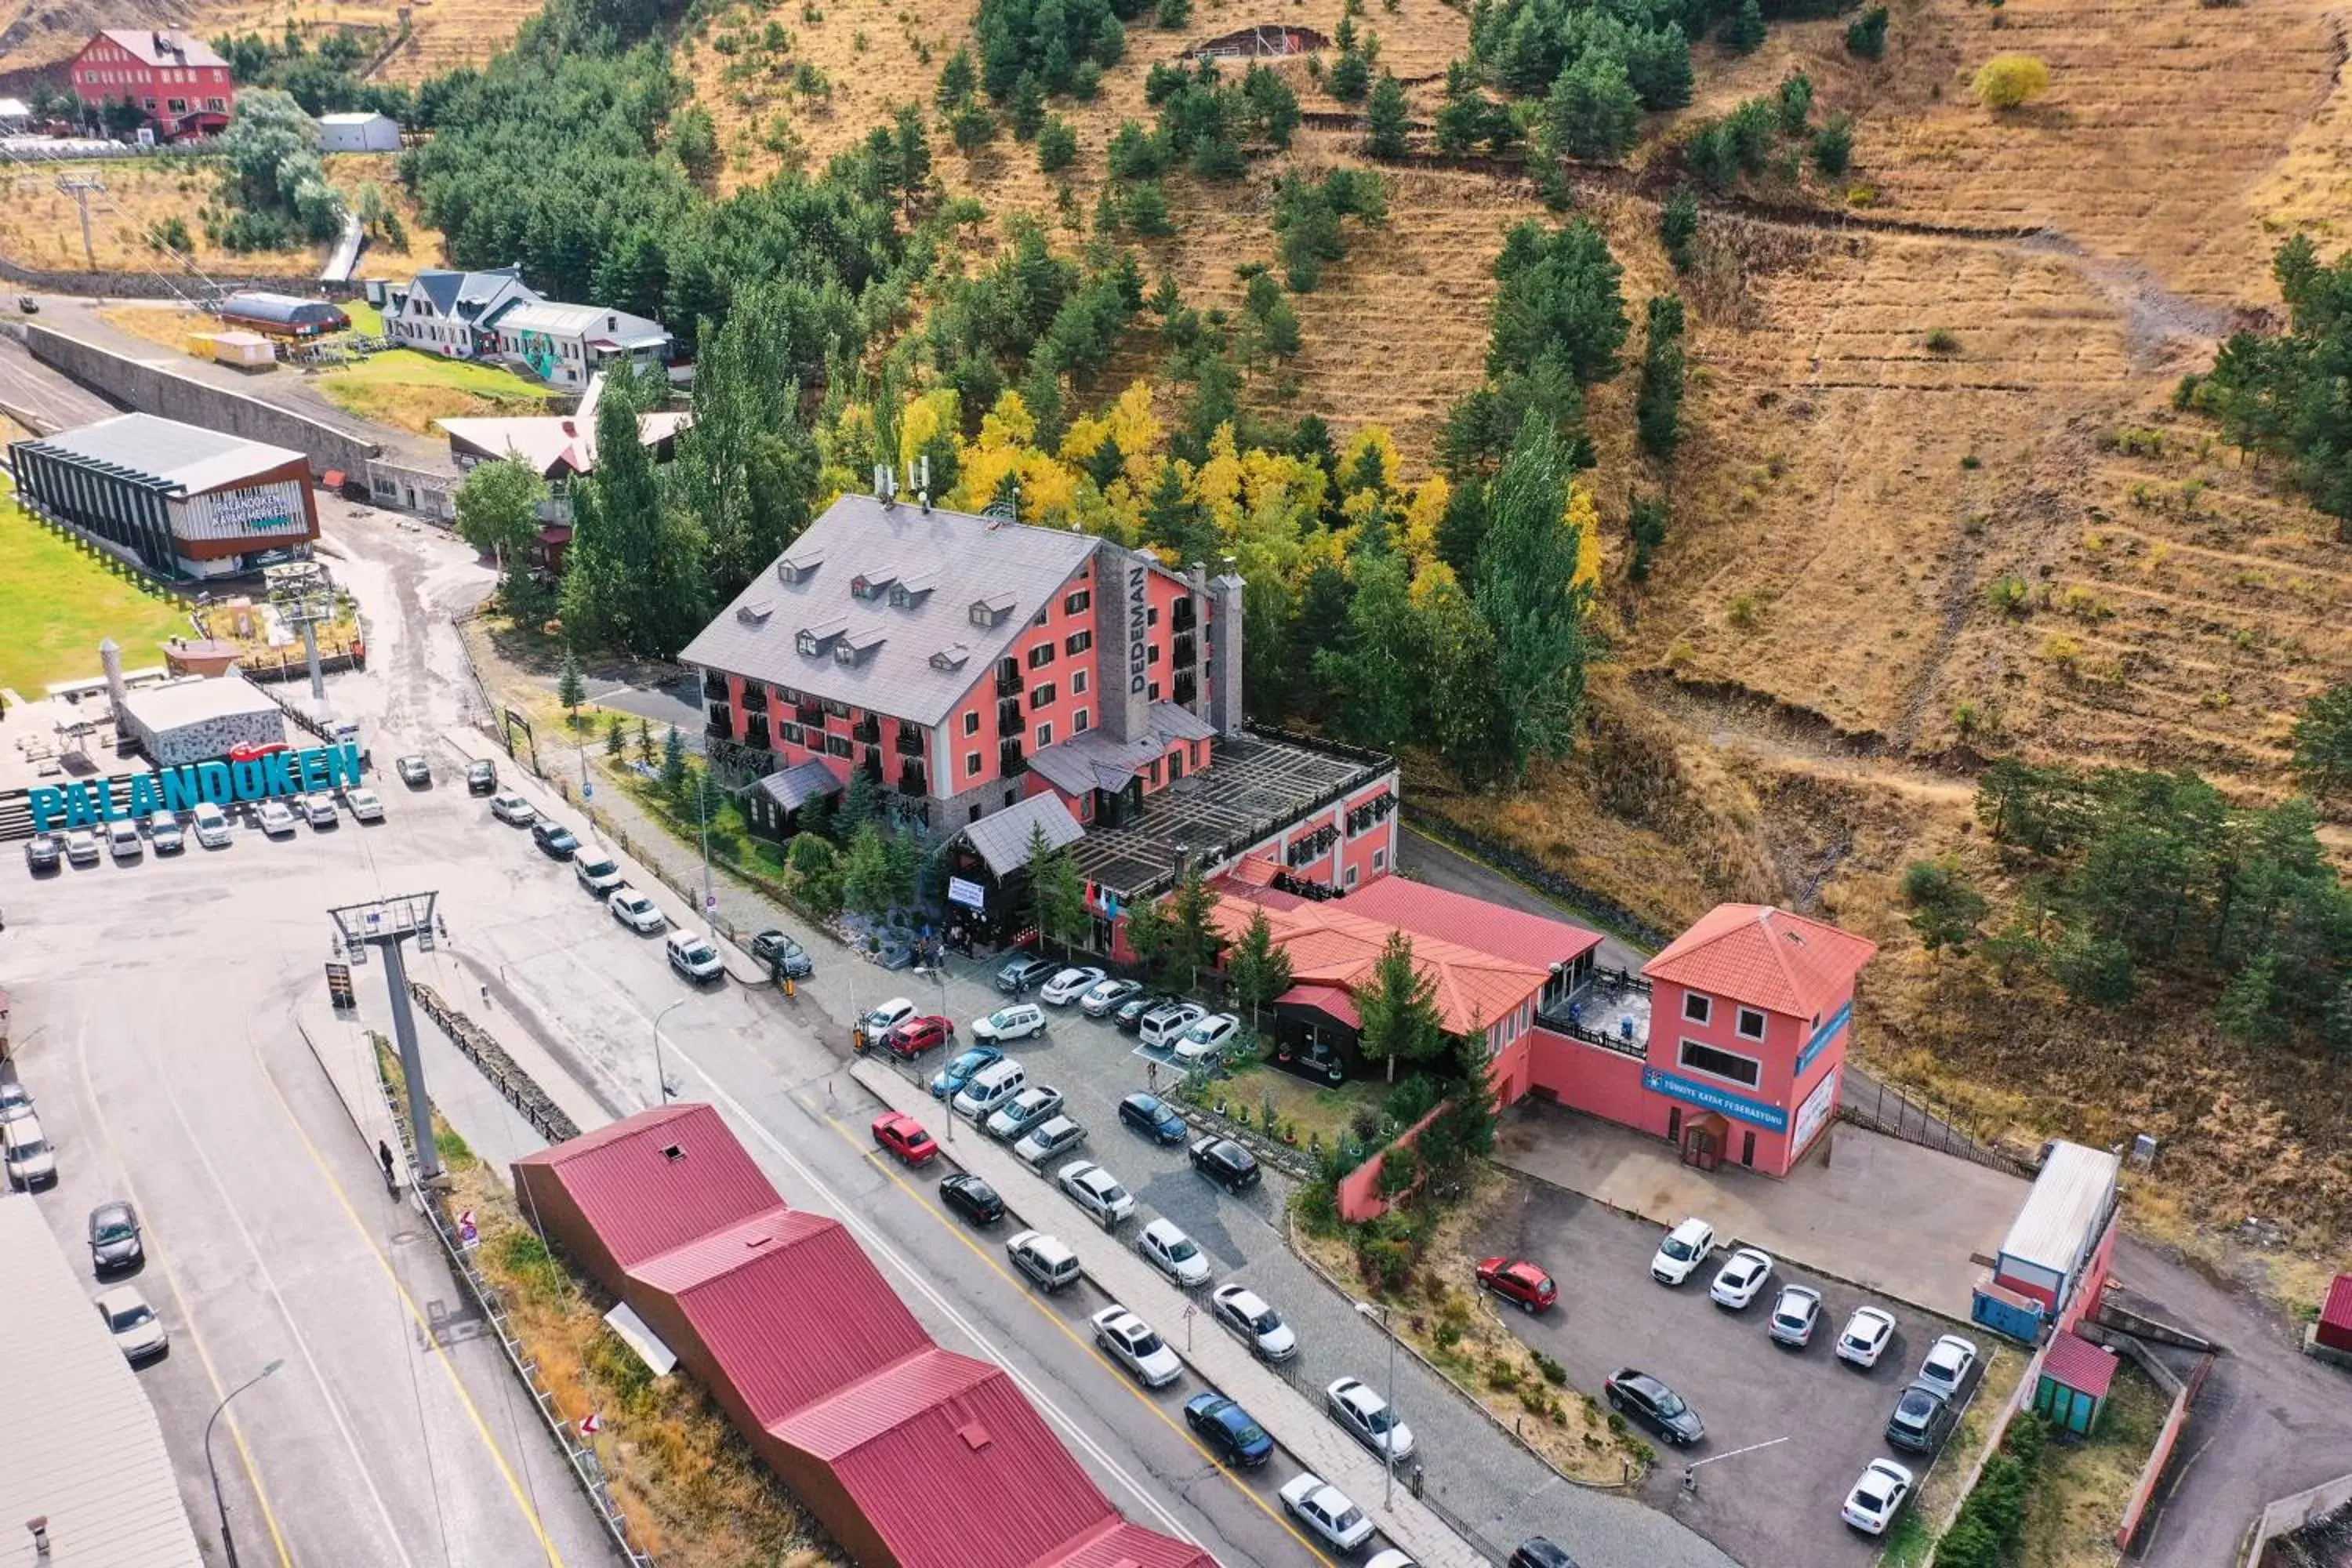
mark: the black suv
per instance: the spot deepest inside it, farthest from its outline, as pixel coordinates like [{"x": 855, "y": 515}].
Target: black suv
[
  {"x": 555, "y": 838},
  {"x": 1656, "y": 1406},
  {"x": 782, "y": 955},
  {"x": 1922, "y": 1420},
  {"x": 1227, "y": 1164},
  {"x": 1018, "y": 976},
  {"x": 482, "y": 778}
]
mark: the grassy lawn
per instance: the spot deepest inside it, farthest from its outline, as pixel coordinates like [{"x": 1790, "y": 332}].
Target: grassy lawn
[
  {"x": 57, "y": 603},
  {"x": 411, "y": 390}
]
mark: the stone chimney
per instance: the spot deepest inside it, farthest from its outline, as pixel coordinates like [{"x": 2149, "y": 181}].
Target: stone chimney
[
  {"x": 109, "y": 658},
  {"x": 1225, "y": 681}
]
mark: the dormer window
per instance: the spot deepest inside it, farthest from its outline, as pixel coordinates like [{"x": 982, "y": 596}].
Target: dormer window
[
  {"x": 816, "y": 641},
  {"x": 798, "y": 568},
  {"x": 991, "y": 610}
]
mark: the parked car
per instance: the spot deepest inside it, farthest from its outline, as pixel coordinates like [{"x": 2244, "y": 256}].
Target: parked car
[
  {"x": 1050, "y": 1140},
  {"x": 1640, "y": 1397},
  {"x": 482, "y": 778},
  {"x": 1866, "y": 1336},
  {"x": 554, "y": 840},
  {"x": 115, "y": 1238},
  {"x": 915, "y": 1035},
  {"x": 1103, "y": 996},
  {"x": 1516, "y": 1280},
  {"x": 163, "y": 833},
  {"x": 122, "y": 841},
  {"x": 413, "y": 769},
  {"x": 1205, "y": 1039},
  {"x": 1684, "y": 1249},
  {"x": 44, "y": 852},
  {"x": 600, "y": 874},
  {"x": 782, "y": 955},
  {"x": 1167, "y": 1025},
  {"x": 1534, "y": 1552},
  {"x": 1368, "y": 1418},
  {"x": 886, "y": 1017},
  {"x": 1326, "y": 1512},
  {"x": 1245, "y": 1314},
  {"x": 1166, "y": 1248},
  {"x": 25, "y": 1150},
  {"x": 366, "y": 805},
  {"x": 971, "y": 1197},
  {"x": 1068, "y": 984},
  {"x": 952, "y": 1077},
  {"x": 1225, "y": 1162},
  {"x": 1149, "y": 1115},
  {"x": 15, "y": 1102},
  {"x": 319, "y": 811},
  {"x": 1876, "y": 1497},
  {"x": 138, "y": 1331},
  {"x": 1738, "y": 1282},
  {"x": 1098, "y": 1192},
  {"x": 1137, "y": 1346},
  {"x": 694, "y": 955},
  {"x": 903, "y": 1136},
  {"x": 1129, "y": 1015},
  {"x": 275, "y": 819},
  {"x": 1023, "y": 974},
  {"x": 1022, "y": 1021},
  {"x": 1950, "y": 1360},
  {"x": 1921, "y": 1420},
  {"x": 1796, "y": 1313},
  {"x": 1229, "y": 1431},
  {"x": 513, "y": 809},
  {"x": 636, "y": 911},
  {"x": 211, "y": 824},
  {"x": 1047, "y": 1260},
  {"x": 1024, "y": 1111}
]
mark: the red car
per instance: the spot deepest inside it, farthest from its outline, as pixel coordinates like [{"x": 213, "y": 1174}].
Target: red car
[
  {"x": 915, "y": 1035},
  {"x": 1518, "y": 1280},
  {"x": 903, "y": 1136}
]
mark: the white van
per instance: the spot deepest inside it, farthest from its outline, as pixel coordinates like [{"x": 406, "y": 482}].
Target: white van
[
  {"x": 990, "y": 1087},
  {"x": 211, "y": 823},
  {"x": 123, "y": 840}
]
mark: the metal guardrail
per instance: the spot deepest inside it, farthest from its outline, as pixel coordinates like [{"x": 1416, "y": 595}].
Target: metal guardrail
[{"x": 515, "y": 1086}]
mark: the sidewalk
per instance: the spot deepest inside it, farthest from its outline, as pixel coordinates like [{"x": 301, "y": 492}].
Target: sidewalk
[{"x": 1295, "y": 1423}]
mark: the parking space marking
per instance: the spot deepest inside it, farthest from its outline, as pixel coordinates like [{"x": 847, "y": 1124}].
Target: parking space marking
[{"x": 1118, "y": 1373}]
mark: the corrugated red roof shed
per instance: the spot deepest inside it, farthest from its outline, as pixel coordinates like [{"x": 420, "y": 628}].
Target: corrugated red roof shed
[{"x": 1765, "y": 957}]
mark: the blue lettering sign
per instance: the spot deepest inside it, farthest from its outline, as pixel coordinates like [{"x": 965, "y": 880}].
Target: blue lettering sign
[
  {"x": 1823, "y": 1037},
  {"x": 1708, "y": 1096}
]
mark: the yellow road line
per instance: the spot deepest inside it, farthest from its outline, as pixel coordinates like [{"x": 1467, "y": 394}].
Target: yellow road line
[
  {"x": 1118, "y": 1372},
  {"x": 423, "y": 1324}
]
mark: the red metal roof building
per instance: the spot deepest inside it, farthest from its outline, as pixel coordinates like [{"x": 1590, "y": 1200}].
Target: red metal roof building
[{"x": 895, "y": 1445}]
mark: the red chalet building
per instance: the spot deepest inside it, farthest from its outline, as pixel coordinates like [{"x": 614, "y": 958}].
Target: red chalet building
[{"x": 174, "y": 78}]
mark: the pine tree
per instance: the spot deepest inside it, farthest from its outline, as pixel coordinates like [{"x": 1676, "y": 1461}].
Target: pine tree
[
  {"x": 1257, "y": 969},
  {"x": 570, "y": 689},
  {"x": 1388, "y": 119},
  {"x": 1399, "y": 1008},
  {"x": 1527, "y": 591}
]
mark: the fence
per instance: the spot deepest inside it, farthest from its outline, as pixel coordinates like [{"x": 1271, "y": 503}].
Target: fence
[{"x": 1871, "y": 1104}]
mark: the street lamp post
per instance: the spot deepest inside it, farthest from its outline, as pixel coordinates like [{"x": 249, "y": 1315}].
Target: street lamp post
[
  {"x": 228, "y": 1541},
  {"x": 1388, "y": 1438},
  {"x": 661, "y": 1079}
]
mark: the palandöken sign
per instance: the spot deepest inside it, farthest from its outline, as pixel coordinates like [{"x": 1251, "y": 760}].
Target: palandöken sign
[{"x": 130, "y": 797}]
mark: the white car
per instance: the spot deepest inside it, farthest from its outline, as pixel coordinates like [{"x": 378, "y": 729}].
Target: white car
[
  {"x": 597, "y": 873},
  {"x": 81, "y": 846},
  {"x": 163, "y": 833},
  {"x": 1866, "y": 1336},
  {"x": 137, "y": 1331},
  {"x": 1684, "y": 1249},
  {"x": 1871, "y": 1507},
  {"x": 1021, "y": 1021},
  {"x": 1950, "y": 1360},
  {"x": 211, "y": 823},
  {"x": 319, "y": 810},
  {"x": 1327, "y": 1511},
  {"x": 1244, "y": 1315},
  {"x": 635, "y": 910},
  {"x": 1738, "y": 1282},
  {"x": 1368, "y": 1418},
  {"x": 1167, "y": 1248},
  {"x": 365, "y": 805},
  {"x": 1055, "y": 1136},
  {"x": 1069, "y": 985},
  {"x": 275, "y": 818},
  {"x": 1796, "y": 1313},
  {"x": 1098, "y": 1192},
  {"x": 1203, "y": 1041},
  {"x": 1132, "y": 1343},
  {"x": 513, "y": 809}
]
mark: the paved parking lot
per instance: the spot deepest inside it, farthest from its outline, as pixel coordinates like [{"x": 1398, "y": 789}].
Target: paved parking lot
[{"x": 1776, "y": 1506}]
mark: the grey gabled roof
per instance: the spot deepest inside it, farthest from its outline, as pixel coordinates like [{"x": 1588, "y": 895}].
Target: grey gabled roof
[
  {"x": 795, "y": 786},
  {"x": 1015, "y": 569},
  {"x": 1003, "y": 839},
  {"x": 83, "y": 1448}
]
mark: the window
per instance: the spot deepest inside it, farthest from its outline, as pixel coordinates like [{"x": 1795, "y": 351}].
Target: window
[
  {"x": 1041, "y": 656},
  {"x": 972, "y": 769},
  {"x": 1041, "y": 695},
  {"x": 971, "y": 722},
  {"x": 1698, "y": 1009},
  {"x": 1078, "y": 643},
  {"x": 1044, "y": 736},
  {"x": 1080, "y": 722},
  {"x": 1721, "y": 1064},
  {"x": 1751, "y": 1024},
  {"x": 1077, "y": 683},
  {"x": 1077, "y": 602}
]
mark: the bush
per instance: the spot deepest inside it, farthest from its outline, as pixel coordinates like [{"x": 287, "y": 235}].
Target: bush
[{"x": 2006, "y": 81}]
